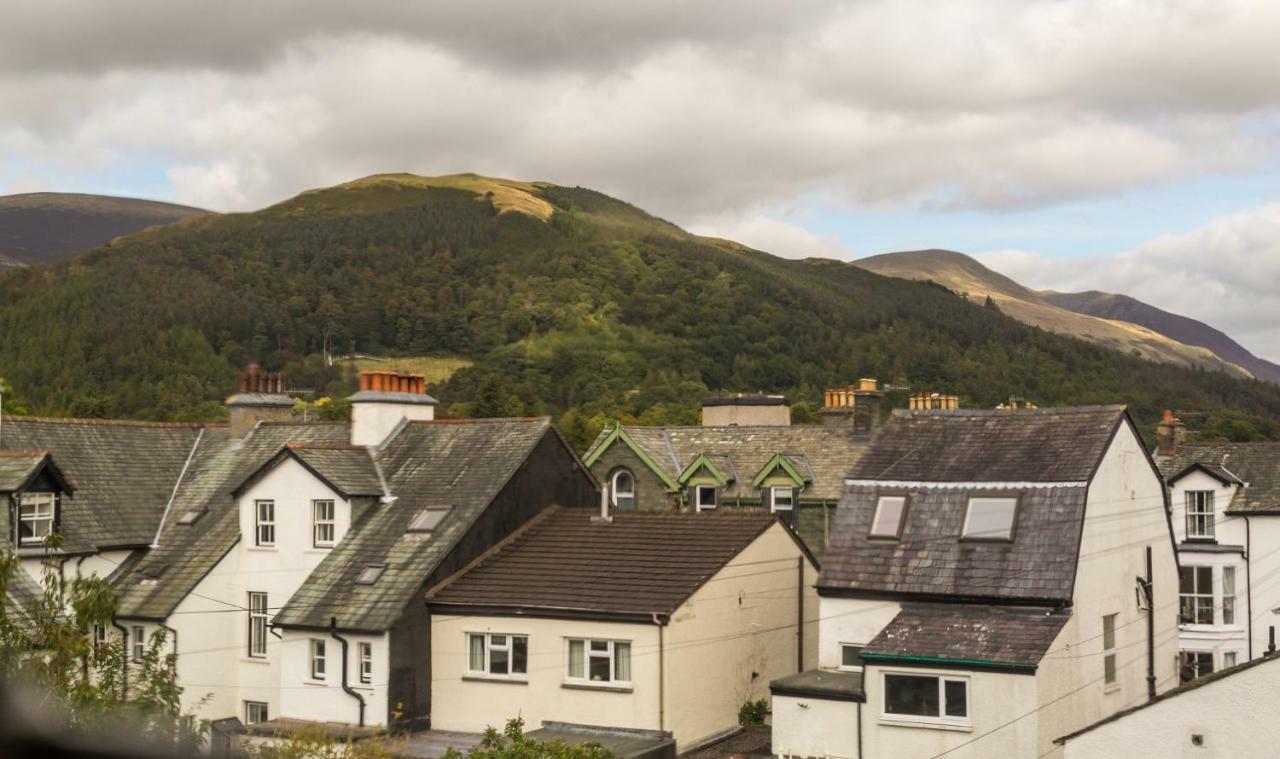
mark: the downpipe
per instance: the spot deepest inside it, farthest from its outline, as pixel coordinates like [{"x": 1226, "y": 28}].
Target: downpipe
[{"x": 333, "y": 633}]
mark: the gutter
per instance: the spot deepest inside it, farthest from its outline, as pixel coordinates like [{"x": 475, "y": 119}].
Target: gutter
[
  {"x": 1027, "y": 669},
  {"x": 174, "y": 495},
  {"x": 333, "y": 633}
]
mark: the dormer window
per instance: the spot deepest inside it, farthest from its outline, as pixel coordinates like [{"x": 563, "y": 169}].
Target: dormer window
[
  {"x": 36, "y": 513},
  {"x": 1200, "y": 515},
  {"x": 891, "y": 512},
  {"x": 782, "y": 499},
  {"x": 623, "y": 489},
  {"x": 990, "y": 518},
  {"x": 322, "y": 524},
  {"x": 705, "y": 497},
  {"x": 264, "y": 523}
]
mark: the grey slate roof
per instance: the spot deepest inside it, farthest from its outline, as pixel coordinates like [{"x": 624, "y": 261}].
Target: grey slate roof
[
  {"x": 348, "y": 469},
  {"x": 822, "y": 453},
  {"x": 460, "y": 465},
  {"x": 1044, "y": 445},
  {"x": 825, "y": 684},
  {"x": 21, "y": 593},
  {"x": 930, "y": 559},
  {"x": 18, "y": 467},
  {"x": 998, "y": 636},
  {"x": 1257, "y": 464},
  {"x": 124, "y": 473},
  {"x": 639, "y": 564}
]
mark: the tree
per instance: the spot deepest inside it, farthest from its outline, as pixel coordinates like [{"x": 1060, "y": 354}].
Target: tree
[
  {"x": 11, "y": 402},
  {"x": 512, "y": 743}
]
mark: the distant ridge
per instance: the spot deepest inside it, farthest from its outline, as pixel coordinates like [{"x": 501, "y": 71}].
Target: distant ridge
[{"x": 44, "y": 227}]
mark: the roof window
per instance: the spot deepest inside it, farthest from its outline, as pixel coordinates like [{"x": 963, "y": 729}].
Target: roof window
[
  {"x": 370, "y": 574},
  {"x": 990, "y": 518},
  {"x": 427, "y": 520},
  {"x": 191, "y": 517},
  {"x": 887, "y": 521}
]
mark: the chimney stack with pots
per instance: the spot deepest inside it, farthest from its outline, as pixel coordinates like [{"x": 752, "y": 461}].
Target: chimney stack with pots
[
  {"x": 1017, "y": 404},
  {"x": 1169, "y": 434},
  {"x": 260, "y": 397},
  {"x": 933, "y": 402},
  {"x": 858, "y": 407},
  {"x": 384, "y": 400}
]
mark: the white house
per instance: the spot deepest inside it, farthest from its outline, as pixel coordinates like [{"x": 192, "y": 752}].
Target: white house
[
  {"x": 649, "y": 620},
  {"x": 1226, "y": 521},
  {"x": 995, "y": 580}
]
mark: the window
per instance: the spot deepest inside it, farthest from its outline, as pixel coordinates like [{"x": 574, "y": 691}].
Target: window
[
  {"x": 370, "y": 574},
  {"x": 317, "y": 659},
  {"x": 265, "y": 522},
  {"x": 990, "y": 518},
  {"x": 139, "y": 642},
  {"x": 851, "y": 657},
  {"x": 599, "y": 662},
  {"x": 623, "y": 487},
  {"x": 322, "y": 528},
  {"x": 782, "y": 499},
  {"x": 491, "y": 655},
  {"x": 1200, "y": 514},
  {"x": 427, "y": 520},
  {"x": 1196, "y": 592},
  {"x": 190, "y": 517},
  {"x": 99, "y": 635},
  {"x": 366, "y": 662},
  {"x": 1228, "y": 595},
  {"x": 926, "y": 698},
  {"x": 1109, "y": 649},
  {"x": 257, "y": 624},
  {"x": 1193, "y": 664},
  {"x": 704, "y": 497},
  {"x": 35, "y": 517},
  {"x": 1228, "y": 659},
  {"x": 887, "y": 521},
  {"x": 255, "y": 712}
]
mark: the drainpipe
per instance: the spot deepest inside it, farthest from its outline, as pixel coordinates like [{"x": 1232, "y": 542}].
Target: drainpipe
[
  {"x": 124, "y": 659},
  {"x": 662, "y": 675},
  {"x": 860, "y": 729},
  {"x": 799, "y": 613},
  {"x": 333, "y": 633},
  {"x": 1248, "y": 581},
  {"x": 1151, "y": 632}
]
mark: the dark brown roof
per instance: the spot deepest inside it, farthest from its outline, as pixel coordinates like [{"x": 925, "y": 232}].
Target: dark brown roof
[
  {"x": 1044, "y": 445},
  {"x": 565, "y": 564},
  {"x": 1004, "y": 637},
  {"x": 930, "y": 559},
  {"x": 1257, "y": 464}
]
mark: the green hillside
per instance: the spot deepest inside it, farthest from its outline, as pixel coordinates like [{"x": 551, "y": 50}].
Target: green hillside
[{"x": 569, "y": 302}]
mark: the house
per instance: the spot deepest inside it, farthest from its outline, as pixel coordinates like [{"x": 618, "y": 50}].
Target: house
[
  {"x": 995, "y": 580},
  {"x": 639, "y": 621},
  {"x": 746, "y": 455},
  {"x": 1223, "y": 715},
  {"x": 286, "y": 561},
  {"x": 1226, "y": 521}
]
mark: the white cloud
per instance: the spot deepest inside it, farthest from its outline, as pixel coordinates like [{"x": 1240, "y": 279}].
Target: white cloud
[{"x": 773, "y": 235}]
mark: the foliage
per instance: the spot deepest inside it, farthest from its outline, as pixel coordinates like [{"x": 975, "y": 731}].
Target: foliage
[
  {"x": 512, "y": 743},
  {"x": 601, "y": 313},
  {"x": 753, "y": 712},
  {"x": 314, "y": 743},
  {"x": 46, "y": 643},
  {"x": 12, "y": 404}
]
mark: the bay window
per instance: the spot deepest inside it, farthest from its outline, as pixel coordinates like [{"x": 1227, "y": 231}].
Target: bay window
[{"x": 1196, "y": 593}]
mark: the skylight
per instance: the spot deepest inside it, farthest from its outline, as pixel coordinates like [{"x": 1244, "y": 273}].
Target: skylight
[
  {"x": 990, "y": 518},
  {"x": 370, "y": 574},
  {"x": 190, "y": 517},
  {"x": 427, "y": 520},
  {"x": 887, "y": 521}
]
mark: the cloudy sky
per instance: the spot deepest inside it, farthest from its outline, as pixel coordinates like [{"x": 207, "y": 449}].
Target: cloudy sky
[{"x": 1127, "y": 145}]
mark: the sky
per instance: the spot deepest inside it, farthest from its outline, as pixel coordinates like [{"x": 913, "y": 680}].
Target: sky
[{"x": 1122, "y": 145}]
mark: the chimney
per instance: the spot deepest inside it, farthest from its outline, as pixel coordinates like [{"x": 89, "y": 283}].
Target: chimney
[
  {"x": 746, "y": 410},
  {"x": 384, "y": 400},
  {"x": 923, "y": 401},
  {"x": 260, "y": 397},
  {"x": 1169, "y": 434},
  {"x": 857, "y": 406}
]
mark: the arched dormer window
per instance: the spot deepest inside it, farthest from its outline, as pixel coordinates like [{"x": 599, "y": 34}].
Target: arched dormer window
[{"x": 622, "y": 489}]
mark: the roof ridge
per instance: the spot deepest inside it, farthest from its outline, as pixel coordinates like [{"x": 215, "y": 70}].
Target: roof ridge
[
  {"x": 23, "y": 452},
  {"x": 1013, "y": 413},
  {"x": 316, "y": 446},
  {"x": 485, "y": 420},
  {"x": 494, "y": 550},
  {"x": 113, "y": 422}
]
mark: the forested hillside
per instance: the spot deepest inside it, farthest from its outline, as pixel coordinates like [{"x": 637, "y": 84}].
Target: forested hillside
[{"x": 569, "y": 303}]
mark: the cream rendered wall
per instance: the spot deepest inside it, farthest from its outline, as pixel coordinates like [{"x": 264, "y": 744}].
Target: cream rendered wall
[
  {"x": 1125, "y": 513},
  {"x": 100, "y": 564},
  {"x": 994, "y": 700},
  {"x": 853, "y": 621},
  {"x": 302, "y": 697},
  {"x": 1229, "y": 530},
  {"x": 1264, "y": 569},
  {"x": 213, "y": 630},
  {"x": 470, "y": 705},
  {"x": 804, "y": 727},
  {"x": 1233, "y": 714},
  {"x": 736, "y": 633}
]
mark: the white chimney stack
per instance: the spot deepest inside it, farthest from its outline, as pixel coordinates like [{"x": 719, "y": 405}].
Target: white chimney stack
[{"x": 385, "y": 399}]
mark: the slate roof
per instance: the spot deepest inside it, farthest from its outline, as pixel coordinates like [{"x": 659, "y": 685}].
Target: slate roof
[
  {"x": 348, "y": 469},
  {"x": 997, "y": 636},
  {"x": 124, "y": 473},
  {"x": 1257, "y": 464},
  {"x": 826, "y": 684},
  {"x": 639, "y": 564},
  {"x": 821, "y": 453},
  {"x": 460, "y": 465},
  {"x": 930, "y": 559},
  {"x": 21, "y": 593},
  {"x": 1042, "y": 445},
  {"x": 18, "y": 467}
]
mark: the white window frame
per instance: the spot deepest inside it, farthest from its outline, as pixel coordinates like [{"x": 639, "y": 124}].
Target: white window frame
[
  {"x": 965, "y": 722},
  {"x": 699, "y": 504},
  {"x": 790, "y": 499},
  {"x": 250, "y": 707},
  {"x": 902, "y": 517},
  {"x": 1228, "y": 603},
  {"x": 1199, "y": 597},
  {"x": 850, "y": 667},
  {"x": 138, "y": 644},
  {"x": 264, "y": 528},
  {"x": 37, "y": 509},
  {"x": 589, "y": 652},
  {"x": 613, "y": 488},
  {"x": 258, "y": 618},
  {"x": 503, "y": 642},
  {"x": 1200, "y": 516},
  {"x": 1110, "y": 674},
  {"x": 1196, "y": 653},
  {"x": 327, "y": 524},
  {"x": 99, "y": 635},
  {"x": 365, "y": 650},
  {"x": 318, "y": 657},
  {"x": 968, "y": 512}
]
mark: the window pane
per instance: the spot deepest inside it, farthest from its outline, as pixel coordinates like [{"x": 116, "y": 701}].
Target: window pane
[
  {"x": 1204, "y": 580},
  {"x": 1109, "y": 631},
  {"x": 577, "y": 659},
  {"x": 600, "y": 669},
  {"x": 476, "y": 658},
  {"x": 599, "y": 645},
  {"x": 888, "y": 516},
  {"x": 1228, "y": 581},
  {"x": 957, "y": 698},
  {"x": 911, "y": 695},
  {"x": 519, "y": 655},
  {"x": 497, "y": 640},
  {"x": 498, "y": 661},
  {"x": 1229, "y": 659},
  {"x": 1109, "y": 668},
  {"x": 990, "y": 518},
  {"x": 622, "y": 662},
  {"x": 1187, "y": 580},
  {"x": 851, "y": 656}
]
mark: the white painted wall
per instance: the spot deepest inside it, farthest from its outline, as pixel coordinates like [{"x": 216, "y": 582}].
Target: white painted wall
[
  {"x": 851, "y": 621},
  {"x": 1233, "y": 714},
  {"x": 804, "y": 727},
  {"x": 371, "y": 423},
  {"x": 100, "y": 564},
  {"x": 302, "y": 697}
]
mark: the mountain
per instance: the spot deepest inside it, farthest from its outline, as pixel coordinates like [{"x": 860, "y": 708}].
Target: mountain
[
  {"x": 1181, "y": 328},
  {"x": 43, "y": 227},
  {"x": 966, "y": 276},
  {"x": 560, "y": 299}
]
